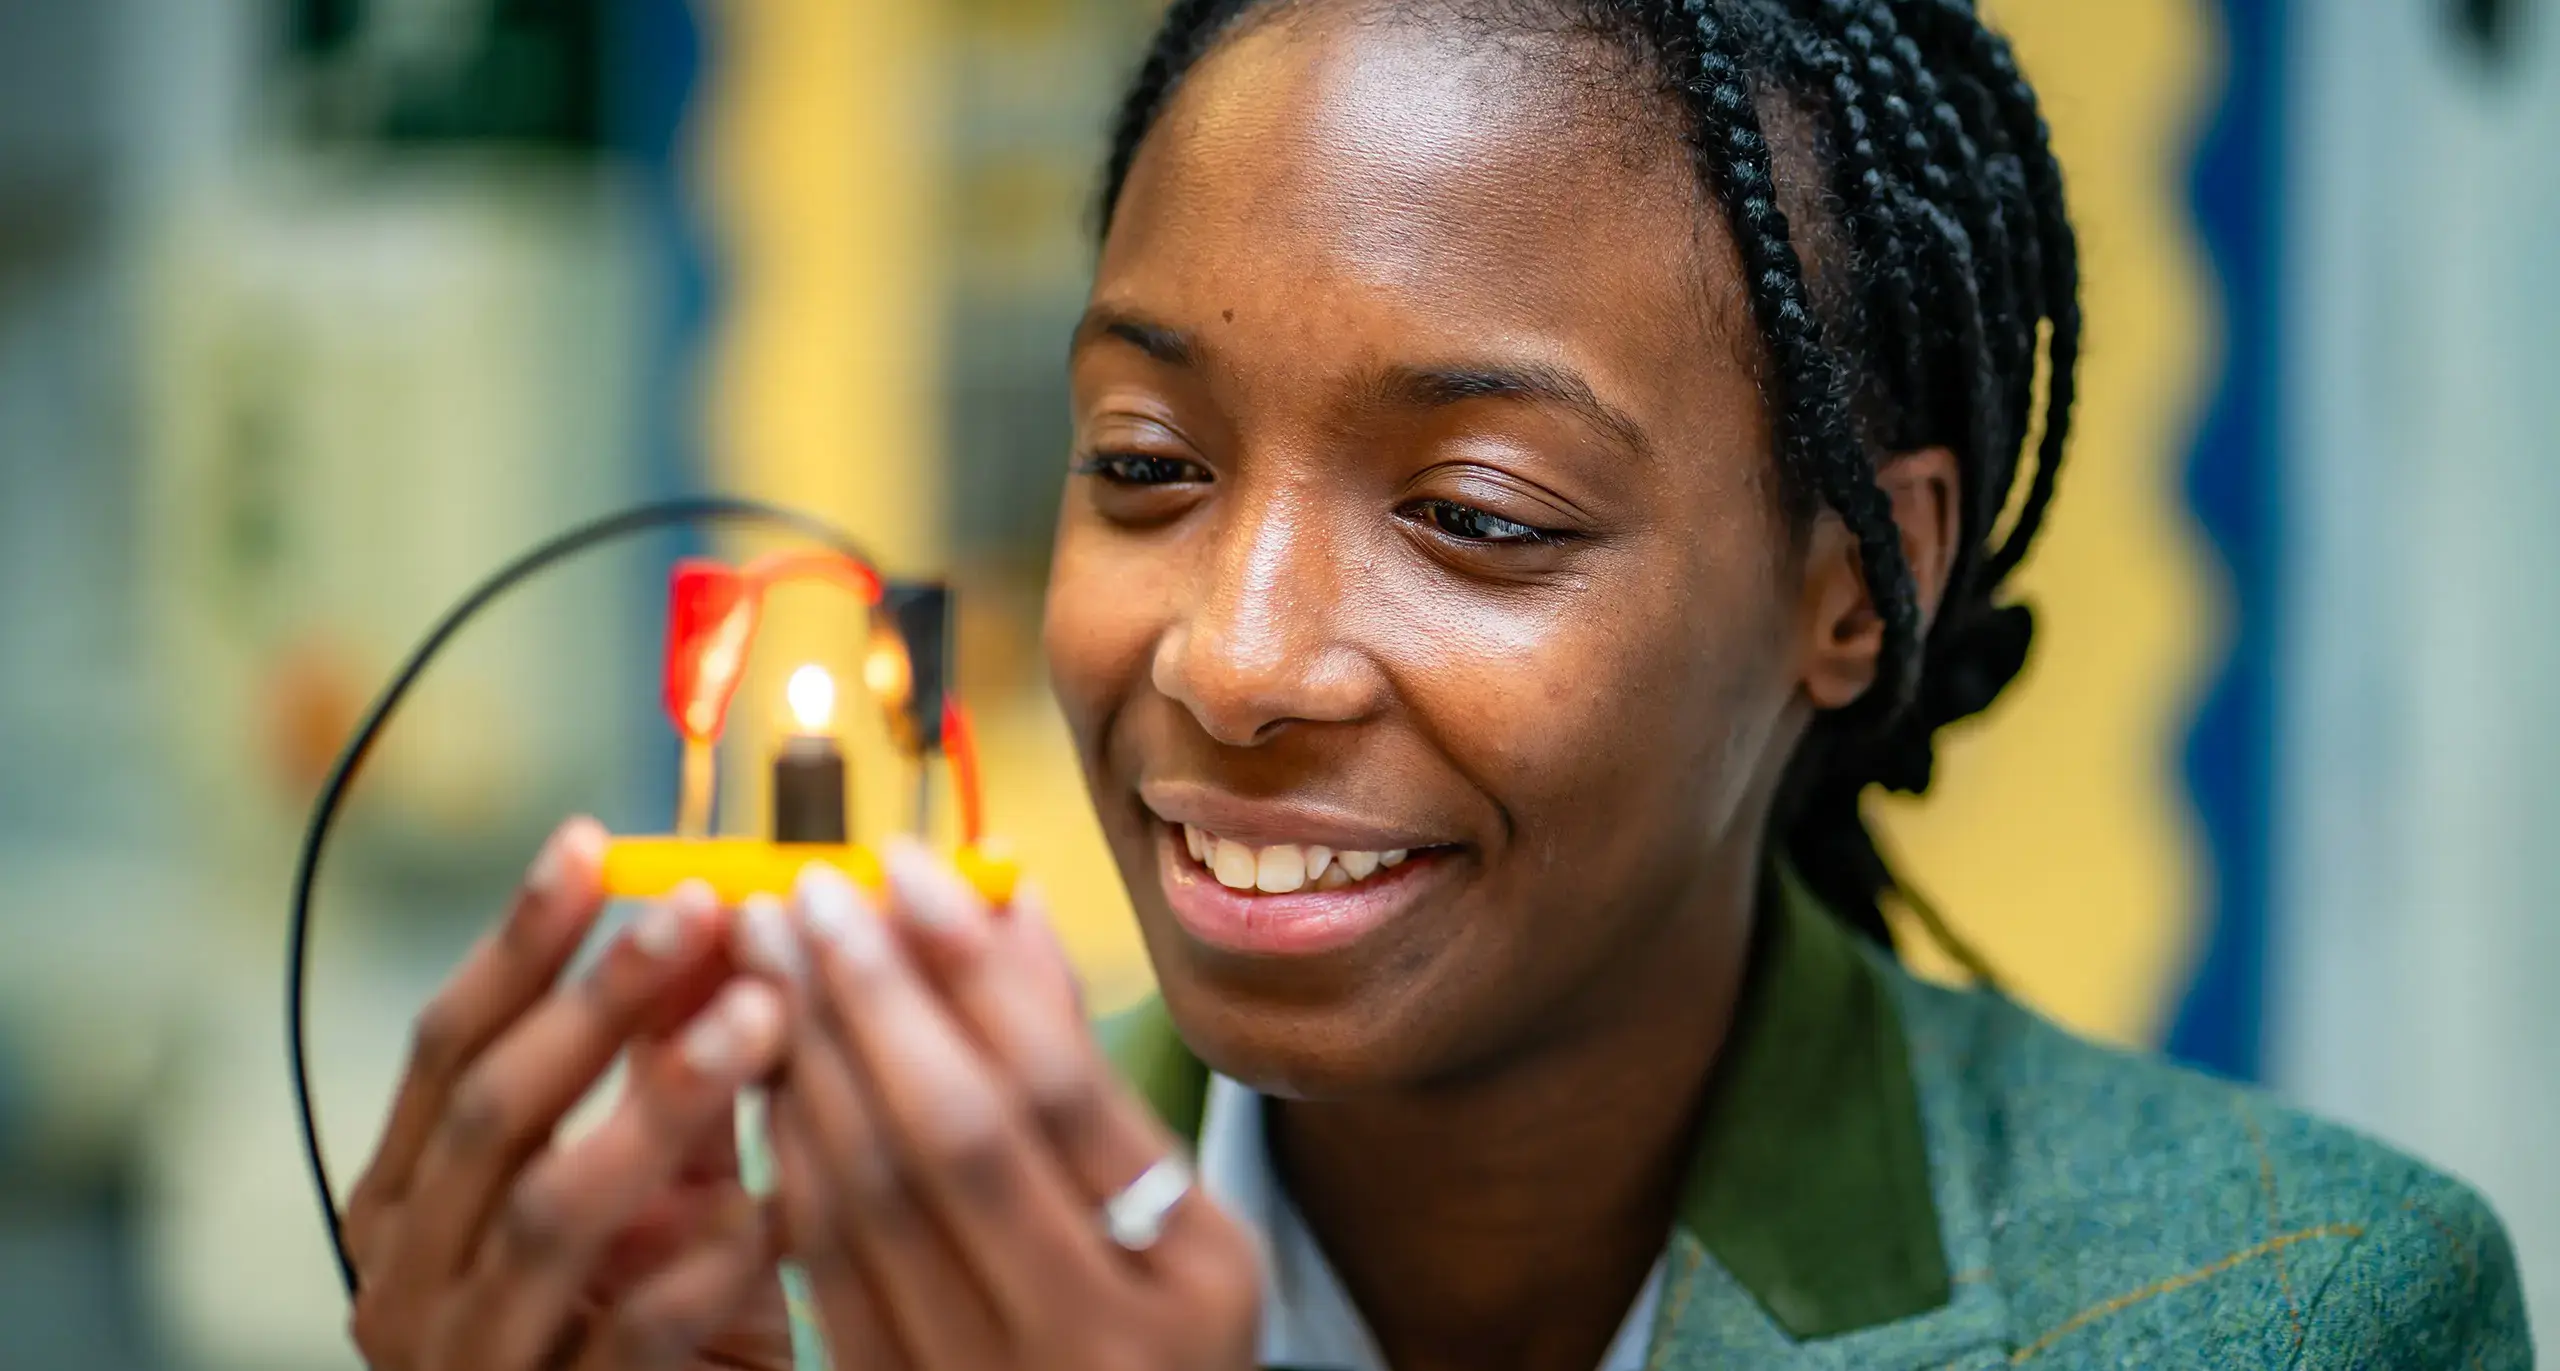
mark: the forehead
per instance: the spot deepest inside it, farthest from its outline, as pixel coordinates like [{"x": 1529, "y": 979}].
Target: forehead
[{"x": 1464, "y": 176}]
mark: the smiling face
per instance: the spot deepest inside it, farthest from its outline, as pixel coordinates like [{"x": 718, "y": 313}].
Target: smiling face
[{"x": 1423, "y": 503}]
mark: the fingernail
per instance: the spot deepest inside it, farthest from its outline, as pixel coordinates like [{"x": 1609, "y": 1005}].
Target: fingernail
[
  {"x": 932, "y": 893},
  {"x": 694, "y": 900},
  {"x": 711, "y": 1044},
  {"x": 659, "y": 931},
  {"x": 765, "y": 941},
  {"x": 838, "y": 913},
  {"x": 720, "y": 1038},
  {"x": 575, "y": 845}
]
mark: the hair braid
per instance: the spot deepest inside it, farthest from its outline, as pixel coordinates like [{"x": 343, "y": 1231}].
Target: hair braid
[
  {"x": 1946, "y": 214},
  {"x": 1871, "y": 203},
  {"x": 2015, "y": 104},
  {"x": 1999, "y": 297},
  {"x": 1978, "y": 207},
  {"x": 1927, "y": 260},
  {"x": 1946, "y": 391},
  {"x": 1810, "y": 391}
]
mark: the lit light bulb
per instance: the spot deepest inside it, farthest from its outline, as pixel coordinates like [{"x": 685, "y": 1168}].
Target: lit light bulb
[{"x": 812, "y": 694}]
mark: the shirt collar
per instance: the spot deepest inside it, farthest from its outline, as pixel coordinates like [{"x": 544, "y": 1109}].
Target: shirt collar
[{"x": 1810, "y": 1178}]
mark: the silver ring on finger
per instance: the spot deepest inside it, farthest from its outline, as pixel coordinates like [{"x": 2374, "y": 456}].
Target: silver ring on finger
[{"x": 1135, "y": 1217}]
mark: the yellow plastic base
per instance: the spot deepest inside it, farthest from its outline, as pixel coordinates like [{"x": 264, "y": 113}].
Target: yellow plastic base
[{"x": 735, "y": 868}]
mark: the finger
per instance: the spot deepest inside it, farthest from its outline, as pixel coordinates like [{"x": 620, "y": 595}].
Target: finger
[
  {"x": 666, "y": 1321},
  {"x": 560, "y": 1218},
  {"x": 710, "y": 1173},
  {"x": 954, "y": 1126},
  {"x": 1022, "y": 927},
  {"x": 1025, "y": 923},
  {"x": 448, "y": 1343},
  {"x": 687, "y": 994},
  {"x": 860, "y": 1220},
  {"x": 668, "y": 1224},
  {"x": 504, "y": 974},
  {"x": 998, "y": 979},
  {"x": 674, "y": 1316},
  {"x": 858, "y": 1331},
  {"x": 713, "y": 1157},
  {"x": 1008, "y": 982},
  {"x": 758, "y": 942},
  {"x": 511, "y": 1100},
  {"x": 763, "y": 942}
]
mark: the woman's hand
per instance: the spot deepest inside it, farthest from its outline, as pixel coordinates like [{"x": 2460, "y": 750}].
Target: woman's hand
[
  {"x": 484, "y": 1243},
  {"x": 946, "y": 1134}
]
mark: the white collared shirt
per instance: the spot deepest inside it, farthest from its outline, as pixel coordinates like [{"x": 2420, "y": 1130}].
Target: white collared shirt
[{"x": 1308, "y": 1320}]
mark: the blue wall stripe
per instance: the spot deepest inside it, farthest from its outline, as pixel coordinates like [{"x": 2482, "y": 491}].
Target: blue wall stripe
[{"x": 2235, "y": 185}]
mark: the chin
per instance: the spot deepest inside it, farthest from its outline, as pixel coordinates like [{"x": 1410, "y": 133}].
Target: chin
[{"x": 1325, "y": 1032}]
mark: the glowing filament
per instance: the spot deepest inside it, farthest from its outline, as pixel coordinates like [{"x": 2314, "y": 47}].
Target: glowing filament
[{"x": 812, "y": 694}]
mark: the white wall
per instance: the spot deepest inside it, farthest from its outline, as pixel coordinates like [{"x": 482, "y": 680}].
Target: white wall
[{"x": 2417, "y": 944}]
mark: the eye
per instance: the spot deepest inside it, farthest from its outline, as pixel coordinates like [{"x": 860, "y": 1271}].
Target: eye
[
  {"x": 1141, "y": 469},
  {"x": 1467, "y": 523}
]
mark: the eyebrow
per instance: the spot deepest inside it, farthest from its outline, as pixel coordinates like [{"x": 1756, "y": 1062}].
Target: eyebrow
[
  {"x": 1534, "y": 383},
  {"x": 1416, "y": 387},
  {"x": 1166, "y": 344}
]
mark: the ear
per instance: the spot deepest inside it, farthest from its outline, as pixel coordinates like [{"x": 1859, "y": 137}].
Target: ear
[{"x": 1845, "y": 634}]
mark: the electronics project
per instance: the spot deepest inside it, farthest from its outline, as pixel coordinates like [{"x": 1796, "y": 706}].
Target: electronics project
[{"x": 714, "y": 610}]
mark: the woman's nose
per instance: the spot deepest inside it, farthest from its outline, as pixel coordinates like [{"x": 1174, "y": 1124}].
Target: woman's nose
[{"x": 1263, "y": 644}]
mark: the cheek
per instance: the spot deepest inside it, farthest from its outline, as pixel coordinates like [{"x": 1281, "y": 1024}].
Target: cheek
[
  {"x": 1658, "y": 693},
  {"x": 1100, "y": 622}
]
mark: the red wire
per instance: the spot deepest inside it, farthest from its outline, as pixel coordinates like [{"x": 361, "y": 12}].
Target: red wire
[
  {"x": 821, "y": 565},
  {"x": 960, "y": 746},
  {"x": 756, "y": 578}
]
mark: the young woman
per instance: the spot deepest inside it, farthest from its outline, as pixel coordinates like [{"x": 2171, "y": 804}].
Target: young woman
[{"x": 1537, "y": 463}]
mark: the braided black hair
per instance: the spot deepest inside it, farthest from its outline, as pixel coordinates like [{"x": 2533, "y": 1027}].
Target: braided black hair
[{"x": 1959, "y": 274}]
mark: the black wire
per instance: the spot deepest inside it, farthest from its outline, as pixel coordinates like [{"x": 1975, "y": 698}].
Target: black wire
[{"x": 686, "y": 511}]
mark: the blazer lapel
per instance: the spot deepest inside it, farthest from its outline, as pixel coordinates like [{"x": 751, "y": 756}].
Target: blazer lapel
[{"x": 1814, "y": 1229}]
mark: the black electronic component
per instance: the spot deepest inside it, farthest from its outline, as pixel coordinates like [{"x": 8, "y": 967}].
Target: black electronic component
[
  {"x": 921, "y": 610},
  {"x": 809, "y": 791}
]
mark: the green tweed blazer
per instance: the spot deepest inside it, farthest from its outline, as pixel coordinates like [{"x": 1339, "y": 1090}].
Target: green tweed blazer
[{"x": 1896, "y": 1176}]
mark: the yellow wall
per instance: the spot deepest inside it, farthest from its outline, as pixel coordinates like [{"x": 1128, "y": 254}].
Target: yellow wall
[
  {"x": 2058, "y": 837},
  {"x": 819, "y": 156},
  {"x": 826, "y": 172}
]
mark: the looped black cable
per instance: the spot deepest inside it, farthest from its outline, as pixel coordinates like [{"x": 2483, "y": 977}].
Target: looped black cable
[{"x": 686, "y": 511}]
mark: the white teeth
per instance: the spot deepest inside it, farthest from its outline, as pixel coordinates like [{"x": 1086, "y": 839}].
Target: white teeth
[
  {"x": 1234, "y": 864},
  {"x": 1285, "y": 867},
  {"x": 1280, "y": 870}
]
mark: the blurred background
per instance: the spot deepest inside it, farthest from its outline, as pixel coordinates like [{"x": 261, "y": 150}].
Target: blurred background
[{"x": 311, "y": 311}]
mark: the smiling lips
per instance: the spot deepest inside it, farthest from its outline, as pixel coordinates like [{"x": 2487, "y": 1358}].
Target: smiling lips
[{"x": 1285, "y": 868}]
